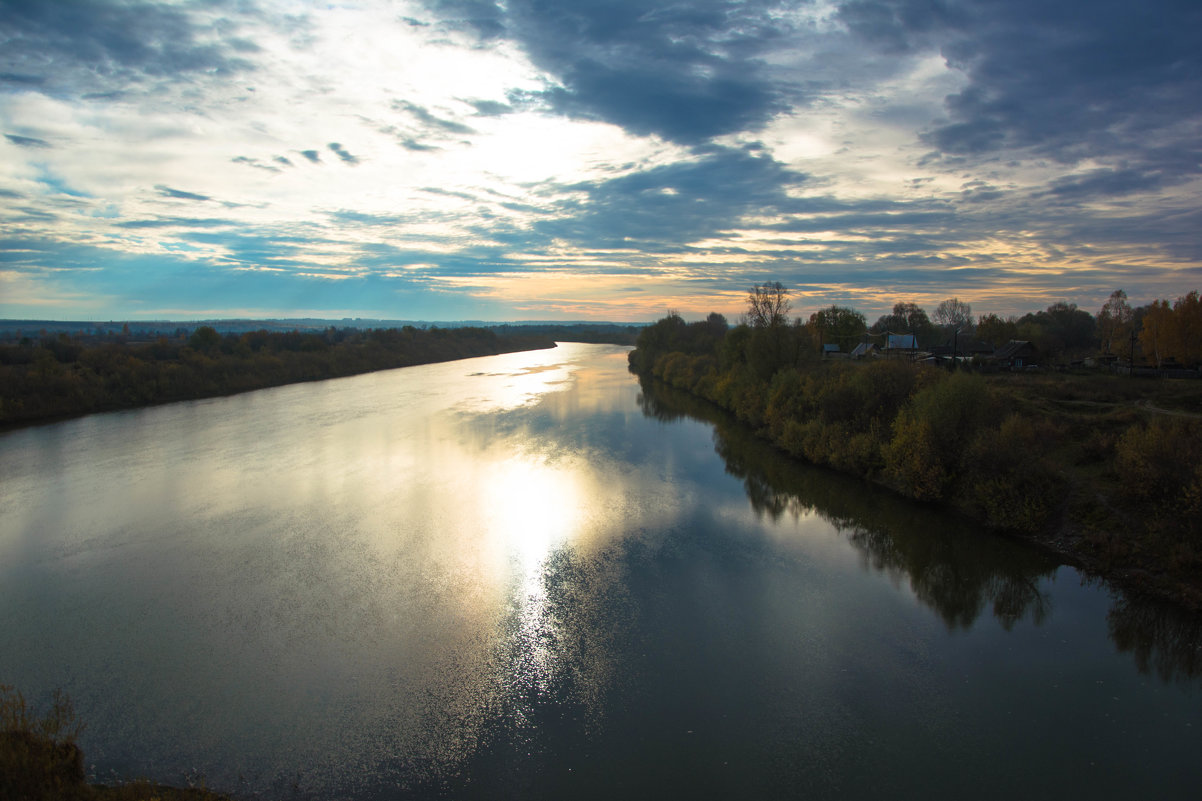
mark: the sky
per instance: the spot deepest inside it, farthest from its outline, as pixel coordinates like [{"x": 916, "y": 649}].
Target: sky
[{"x": 593, "y": 159}]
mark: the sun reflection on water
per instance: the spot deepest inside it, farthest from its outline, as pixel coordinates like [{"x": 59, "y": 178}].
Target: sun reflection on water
[
  {"x": 535, "y": 507},
  {"x": 531, "y": 508}
]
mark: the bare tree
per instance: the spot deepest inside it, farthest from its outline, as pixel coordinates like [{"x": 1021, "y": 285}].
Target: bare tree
[
  {"x": 768, "y": 305},
  {"x": 1114, "y": 319},
  {"x": 954, "y": 312}
]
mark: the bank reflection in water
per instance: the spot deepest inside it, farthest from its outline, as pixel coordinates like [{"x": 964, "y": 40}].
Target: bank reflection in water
[{"x": 950, "y": 564}]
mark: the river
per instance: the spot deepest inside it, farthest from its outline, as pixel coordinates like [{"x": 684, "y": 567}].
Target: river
[{"x": 527, "y": 576}]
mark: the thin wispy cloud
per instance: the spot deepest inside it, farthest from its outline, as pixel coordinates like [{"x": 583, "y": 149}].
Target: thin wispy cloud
[
  {"x": 179, "y": 194},
  {"x": 469, "y": 158},
  {"x": 26, "y": 141},
  {"x": 342, "y": 153}
]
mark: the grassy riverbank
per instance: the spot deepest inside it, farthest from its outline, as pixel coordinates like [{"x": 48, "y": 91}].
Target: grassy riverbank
[
  {"x": 1105, "y": 470},
  {"x": 60, "y": 376},
  {"x": 40, "y": 760}
]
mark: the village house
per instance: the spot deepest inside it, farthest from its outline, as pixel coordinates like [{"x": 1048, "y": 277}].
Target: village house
[{"x": 1015, "y": 354}]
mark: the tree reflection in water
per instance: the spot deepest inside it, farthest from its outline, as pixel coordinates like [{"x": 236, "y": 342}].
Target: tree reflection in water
[{"x": 952, "y": 567}]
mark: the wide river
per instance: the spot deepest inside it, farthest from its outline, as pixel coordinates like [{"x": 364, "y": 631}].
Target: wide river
[{"x": 526, "y": 576}]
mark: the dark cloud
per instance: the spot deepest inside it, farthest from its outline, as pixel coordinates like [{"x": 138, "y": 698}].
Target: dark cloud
[
  {"x": 177, "y": 222},
  {"x": 112, "y": 95},
  {"x": 95, "y": 40},
  {"x": 1066, "y": 81},
  {"x": 676, "y": 203},
  {"x": 311, "y": 155},
  {"x": 31, "y": 214},
  {"x": 349, "y": 216},
  {"x": 490, "y": 108},
  {"x": 481, "y": 17},
  {"x": 26, "y": 141},
  {"x": 437, "y": 190},
  {"x": 430, "y": 121},
  {"x": 899, "y": 27},
  {"x": 1106, "y": 182},
  {"x": 167, "y": 191},
  {"x": 250, "y": 162},
  {"x": 416, "y": 146},
  {"x": 22, "y": 79},
  {"x": 342, "y": 153},
  {"x": 686, "y": 71}
]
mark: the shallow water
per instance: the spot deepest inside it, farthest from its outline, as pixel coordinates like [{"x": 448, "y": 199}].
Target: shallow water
[{"x": 526, "y": 576}]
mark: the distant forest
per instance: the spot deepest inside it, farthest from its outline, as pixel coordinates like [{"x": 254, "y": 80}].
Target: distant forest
[{"x": 60, "y": 375}]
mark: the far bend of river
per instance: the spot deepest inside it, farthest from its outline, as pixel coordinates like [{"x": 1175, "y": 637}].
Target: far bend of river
[{"x": 527, "y": 577}]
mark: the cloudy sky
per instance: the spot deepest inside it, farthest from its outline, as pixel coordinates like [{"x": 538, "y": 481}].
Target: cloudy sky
[{"x": 593, "y": 159}]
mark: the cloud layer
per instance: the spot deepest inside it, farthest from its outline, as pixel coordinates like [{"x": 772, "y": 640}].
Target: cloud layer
[{"x": 554, "y": 159}]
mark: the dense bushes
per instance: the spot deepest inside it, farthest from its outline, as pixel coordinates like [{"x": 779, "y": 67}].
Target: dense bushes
[
  {"x": 927, "y": 433},
  {"x": 1069, "y": 460},
  {"x": 1160, "y": 465}
]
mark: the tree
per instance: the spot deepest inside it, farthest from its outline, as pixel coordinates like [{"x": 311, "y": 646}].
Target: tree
[
  {"x": 1114, "y": 319},
  {"x": 768, "y": 305},
  {"x": 1187, "y": 313},
  {"x": 1072, "y": 326},
  {"x": 1061, "y": 328},
  {"x": 1157, "y": 333},
  {"x": 205, "y": 339},
  {"x": 955, "y": 313},
  {"x": 838, "y": 325},
  {"x": 995, "y": 330},
  {"x": 907, "y": 318},
  {"x": 716, "y": 324}
]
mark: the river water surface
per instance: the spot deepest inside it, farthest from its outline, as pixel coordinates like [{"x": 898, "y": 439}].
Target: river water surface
[{"x": 526, "y": 576}]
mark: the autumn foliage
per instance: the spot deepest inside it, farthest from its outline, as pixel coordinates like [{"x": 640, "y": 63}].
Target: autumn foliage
[
  {"x": 1076, "y": 458},
  {"x": 62, "y": 376}
]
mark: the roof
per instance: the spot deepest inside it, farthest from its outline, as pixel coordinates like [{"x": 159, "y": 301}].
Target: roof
[
  {"x": 1013, "y": 348},
  {"x": 901, "y": 342},
  {"x": 864, "y": 348}
]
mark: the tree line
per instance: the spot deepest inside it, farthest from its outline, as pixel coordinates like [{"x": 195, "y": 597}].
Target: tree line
[
  {"x": 1022, "y": 454},
  {"x": 61, "y": 376},
  {"x": 1158, "y": 334}
]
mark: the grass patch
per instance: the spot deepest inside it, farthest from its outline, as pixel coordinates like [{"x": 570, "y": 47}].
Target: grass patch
[{"x": 41, "y": 761}]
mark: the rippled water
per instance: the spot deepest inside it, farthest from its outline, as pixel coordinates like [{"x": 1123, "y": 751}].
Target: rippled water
[{"x": 526, "y": 576}]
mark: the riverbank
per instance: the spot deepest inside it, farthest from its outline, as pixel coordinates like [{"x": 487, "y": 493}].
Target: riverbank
[
  {"x": 40, "y": 761},
  {"x": 62, "y": 377},
  {"x": 1103, "y": 470}
]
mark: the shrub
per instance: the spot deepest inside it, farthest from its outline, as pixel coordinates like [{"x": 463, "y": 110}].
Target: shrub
[
  {"x": 38, "y": 754},
  {"x": 913, "y": 460},
  {"x": 1008, "y": 480},
  {"x": 1160, "y": 464},
  {"x": 1158, "y": 461},
  {"x": 931, "y": 432}
]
